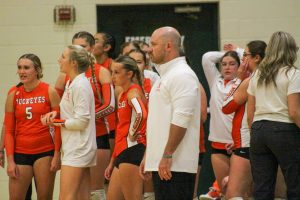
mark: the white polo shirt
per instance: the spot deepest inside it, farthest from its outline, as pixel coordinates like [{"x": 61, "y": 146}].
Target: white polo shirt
[
  {"x": 151, "y": 75},
  {"x": 271, "y": 102},
  {"x": 220, "y": 124},
  {"x": 174, "y": 99},
  {"x": 77, "y": 107}
]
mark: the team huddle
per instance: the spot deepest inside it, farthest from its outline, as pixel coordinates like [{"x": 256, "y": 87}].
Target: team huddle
[{"x": 136, "y": 121}]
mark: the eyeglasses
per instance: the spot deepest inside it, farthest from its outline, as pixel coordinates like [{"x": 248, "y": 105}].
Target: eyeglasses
[{"x": 246, "y": 54}]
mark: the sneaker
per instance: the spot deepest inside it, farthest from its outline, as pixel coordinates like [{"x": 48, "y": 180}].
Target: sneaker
[{"x": 213, "y": 194}]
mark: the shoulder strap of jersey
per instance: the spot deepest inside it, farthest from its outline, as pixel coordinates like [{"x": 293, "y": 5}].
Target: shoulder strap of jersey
[{"x": 97, "y": 73}]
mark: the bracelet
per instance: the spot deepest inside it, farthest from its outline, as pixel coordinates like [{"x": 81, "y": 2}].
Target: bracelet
[{"x": 168, "y": 156}]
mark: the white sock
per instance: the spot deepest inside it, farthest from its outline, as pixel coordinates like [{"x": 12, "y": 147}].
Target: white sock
[
  {"x": 98, "y": 195},
  {"x": 147, "y": 195},
  {"x": 236, "y": 198}
]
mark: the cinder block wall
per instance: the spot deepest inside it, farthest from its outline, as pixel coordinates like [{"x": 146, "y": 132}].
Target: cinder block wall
[{"x": 28, "y": 26}]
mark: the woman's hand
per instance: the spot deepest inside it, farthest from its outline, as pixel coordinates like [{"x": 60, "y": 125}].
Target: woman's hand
[
  {"x": 229, "y": 148},
  {"x": 243, "y": 71},
  {"x": 230, "y": 47},
  {"x": 12, "y": 170},
  {"x": 108, "y": 171},
  {"x": 145, "y": 175},
  {"x": 2, "y": 158},
  {"x": 48, "y": 118},
  {"x": 55, "y": 162}
]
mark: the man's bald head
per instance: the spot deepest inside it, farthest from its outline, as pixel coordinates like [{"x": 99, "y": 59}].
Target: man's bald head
[
  {"x": 169, "y": 34},
  {"x": 165, "y": 45}
]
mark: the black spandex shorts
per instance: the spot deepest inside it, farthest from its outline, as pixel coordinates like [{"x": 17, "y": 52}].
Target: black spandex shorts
[
  {"x": 133, "y": 155},
  {"x": 242, "y": 152},
  {"x": 220, "y": 151},
  {"x": 29, "y": 159},
  {"x": 112, "y": 134},
  {"x": 103, "y": 142},
  {"x": 200, "y": 160}
]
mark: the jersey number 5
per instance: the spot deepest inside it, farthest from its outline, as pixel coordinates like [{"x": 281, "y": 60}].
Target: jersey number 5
[{"x": 28, "y": 112}]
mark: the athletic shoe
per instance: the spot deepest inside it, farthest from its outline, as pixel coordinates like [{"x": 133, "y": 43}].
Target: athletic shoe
[{"x": 213, "y": 194}]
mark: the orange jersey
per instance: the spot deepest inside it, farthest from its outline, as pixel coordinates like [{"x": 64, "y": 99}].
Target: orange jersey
[
  {"x": 147, "y": 87},
  {"x": 112, "y": 117},
  {"x": 126, "y": 117},
  {"x": 107, "y": 63},
  {"x": 101, "y": 125},
  {"x": 240, "y": 130},
  {"x": 31, "y": 137},
  {"x": 202, "y": 139},
  {"x": 218, "y": 145}
]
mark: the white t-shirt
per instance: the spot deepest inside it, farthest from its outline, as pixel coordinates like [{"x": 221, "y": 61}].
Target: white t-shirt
[
  {"x": 220, "y": 124},
  {"x": 271, "y": 102},
  {"x": 77, "y": 107},
  {"x": 174, "y": 99}
]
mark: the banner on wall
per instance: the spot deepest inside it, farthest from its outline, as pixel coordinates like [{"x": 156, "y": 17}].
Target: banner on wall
[{"x": 145, "y": 39}]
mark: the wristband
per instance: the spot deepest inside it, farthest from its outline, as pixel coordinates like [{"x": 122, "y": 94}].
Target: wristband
[{"x": 168, "y": 156}]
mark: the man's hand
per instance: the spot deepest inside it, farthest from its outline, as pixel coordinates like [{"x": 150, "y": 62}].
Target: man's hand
[{"x": 164, "y": 168}]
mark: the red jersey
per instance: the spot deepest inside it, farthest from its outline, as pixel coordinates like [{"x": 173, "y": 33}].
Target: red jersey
[
  {"x": 111, "y": 118},
  {"x": 240, "y": 130},
  {"x": 147, "y": 87},
  {"x": 107, "y": 63},
  {"x": 31, "y": 136},
  {"x": 126, "y": 116}
]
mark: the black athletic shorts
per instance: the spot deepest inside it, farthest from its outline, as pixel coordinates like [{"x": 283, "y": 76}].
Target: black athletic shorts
[
  {"x": 112, "y": 134},
  {"x": 103, "y": 142},
  {"x": 242, "y": 152},
  {"x": 133, "y": 155},
  {"x": 200, "y": 160},
  {"x": 29, "y": 159},
  {"x": 220, "y": 151}
]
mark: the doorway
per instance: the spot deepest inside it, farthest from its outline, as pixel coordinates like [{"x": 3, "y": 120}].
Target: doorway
[{"x": 198, "y": 23}]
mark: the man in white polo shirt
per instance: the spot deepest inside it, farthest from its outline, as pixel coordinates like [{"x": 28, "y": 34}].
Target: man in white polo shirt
[{"x": 173, "y": 120}]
